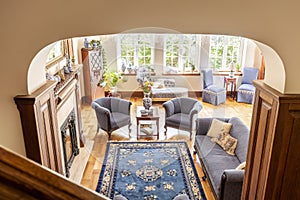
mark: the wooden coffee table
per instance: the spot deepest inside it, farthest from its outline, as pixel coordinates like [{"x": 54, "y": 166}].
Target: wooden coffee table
[{"x": 153, "y": 117}]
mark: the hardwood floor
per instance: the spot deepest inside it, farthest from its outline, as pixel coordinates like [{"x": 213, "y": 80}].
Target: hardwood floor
[{"x": 95, "y": 145}]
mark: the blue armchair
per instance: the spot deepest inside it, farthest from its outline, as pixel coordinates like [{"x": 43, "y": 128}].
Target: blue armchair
[
  {"x": 212, "y": 93},
  {"x": 181, "y": 113},
  {"x": 245, "y": 92},
  {"x": 112, "y": 113}
]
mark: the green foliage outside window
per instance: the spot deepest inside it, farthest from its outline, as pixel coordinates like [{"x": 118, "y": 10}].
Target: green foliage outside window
[{"x": 223, "y": 51}]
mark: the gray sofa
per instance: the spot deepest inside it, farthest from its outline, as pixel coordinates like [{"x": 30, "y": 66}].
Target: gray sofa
[{"x": 218, "y": 166}]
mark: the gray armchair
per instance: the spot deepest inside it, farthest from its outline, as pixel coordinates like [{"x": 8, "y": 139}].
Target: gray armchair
[
  {"x": 181, "y": 113},
  {"x": 112, "y": 113}
]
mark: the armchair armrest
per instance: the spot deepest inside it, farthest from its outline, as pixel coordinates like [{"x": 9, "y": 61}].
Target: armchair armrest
[
  {"x": 232, "y": 180},
  {"x": 103, "y": 116},
  {"x": 193, "y": 114},
  {"x": 169, "y": 108}
]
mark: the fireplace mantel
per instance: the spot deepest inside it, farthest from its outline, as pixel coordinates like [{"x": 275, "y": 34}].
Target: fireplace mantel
[{"x": 40, "y": 125}]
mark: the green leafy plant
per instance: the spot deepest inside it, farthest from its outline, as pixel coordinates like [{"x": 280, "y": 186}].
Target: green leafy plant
[
  {"x": 98, "y": 42},
  {"x": 110, "y": 79},
  {"x": 237, "y": 67}
]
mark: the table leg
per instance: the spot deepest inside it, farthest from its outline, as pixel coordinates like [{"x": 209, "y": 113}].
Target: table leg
[
  {"x": 137, "y": 128},
  {"x": 157, "y": 124}
]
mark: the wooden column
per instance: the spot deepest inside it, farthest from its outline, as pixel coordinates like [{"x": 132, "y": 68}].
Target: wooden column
[
  {"x": 273, "y": 160},
  {"x": 39, "y": 124}
]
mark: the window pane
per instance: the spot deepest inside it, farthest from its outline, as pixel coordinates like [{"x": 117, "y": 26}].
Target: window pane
[
  {"x": 136, "y": 48},
  {"x": 224, "y": 50}
]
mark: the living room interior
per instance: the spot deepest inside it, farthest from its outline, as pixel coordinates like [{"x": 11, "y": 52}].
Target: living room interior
[
  {"x": 33, "y": 84},
  {"x": 69, "y": 57}
]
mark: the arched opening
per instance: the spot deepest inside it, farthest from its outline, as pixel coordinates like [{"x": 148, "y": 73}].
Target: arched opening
[
  {"x": 269, "y": 57},
  {"x": 276, "y": 80}
]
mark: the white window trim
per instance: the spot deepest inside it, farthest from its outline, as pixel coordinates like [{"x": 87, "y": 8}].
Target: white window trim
[
  {"x": 181, "y": 68},
  {"x": 136, "y": 47},
  {"x": 224, "y": 67}
]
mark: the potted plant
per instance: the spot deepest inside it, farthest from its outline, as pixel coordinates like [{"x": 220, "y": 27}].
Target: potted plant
[
  {"x": 95, "y": 44},
  {"x": 237, "y": 67},
  {"x": 110, "y": 81}
]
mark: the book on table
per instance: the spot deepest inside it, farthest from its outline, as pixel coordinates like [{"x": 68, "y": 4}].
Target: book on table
[{"x": 146, "y": 127}]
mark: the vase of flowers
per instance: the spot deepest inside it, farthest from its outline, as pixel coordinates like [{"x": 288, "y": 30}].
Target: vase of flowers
[{"x": 147, "y": 101}]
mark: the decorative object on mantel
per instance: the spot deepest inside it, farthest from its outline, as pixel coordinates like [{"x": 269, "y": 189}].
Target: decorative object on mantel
[
  {"x": 86, "y": 43},
  {"x": 95, "y": 44},
  {"x": 61, "y": 74},
  {"x": 68, "y": 64},
  {"x": 149, "y": 170}
]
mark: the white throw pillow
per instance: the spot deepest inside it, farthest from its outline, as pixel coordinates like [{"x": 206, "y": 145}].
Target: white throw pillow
[
  {"x": 218, "y": 127},
  {"x": 241, "y": 166}
]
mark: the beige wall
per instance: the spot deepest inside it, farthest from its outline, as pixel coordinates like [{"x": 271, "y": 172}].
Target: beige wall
[{"x": 28, "y": 26}]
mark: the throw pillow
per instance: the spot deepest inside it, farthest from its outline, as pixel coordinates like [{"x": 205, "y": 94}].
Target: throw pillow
[
  {"x": 157, "y": 84},
  {"x": 217, "y": 127},
  {"x": 241, "y": 166},
  {"x": 227, "y": 142}
]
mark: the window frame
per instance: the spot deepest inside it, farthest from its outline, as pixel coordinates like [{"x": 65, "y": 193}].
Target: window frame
[
  {"x": 179, "y": 40},
  {"x": 137, "y": 42},
  {"x": 59, "y": 50},
  {"x": 225, "y": 66}
]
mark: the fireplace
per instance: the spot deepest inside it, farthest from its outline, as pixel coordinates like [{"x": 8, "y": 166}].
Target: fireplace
[{"x": 69, "y": 141}]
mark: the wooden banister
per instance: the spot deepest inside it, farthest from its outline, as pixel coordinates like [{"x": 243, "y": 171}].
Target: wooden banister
[{"x": 25, "y": 179}]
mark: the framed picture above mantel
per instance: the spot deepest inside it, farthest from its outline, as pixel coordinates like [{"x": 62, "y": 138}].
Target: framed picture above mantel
[{"x": 56, "y": 54}]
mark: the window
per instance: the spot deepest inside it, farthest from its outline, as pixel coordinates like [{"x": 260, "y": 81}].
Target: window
[
  {"x": 180, "y": 53},
  {"x": 136, "y": 51},
  {"x": 224, "y": 50}
]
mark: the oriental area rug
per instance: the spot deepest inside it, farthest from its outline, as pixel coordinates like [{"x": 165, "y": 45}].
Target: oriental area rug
[{"x": 149, "y": 170}]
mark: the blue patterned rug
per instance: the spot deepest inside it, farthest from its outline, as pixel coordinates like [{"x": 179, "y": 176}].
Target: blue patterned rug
[{"x": 149, "y": 170}]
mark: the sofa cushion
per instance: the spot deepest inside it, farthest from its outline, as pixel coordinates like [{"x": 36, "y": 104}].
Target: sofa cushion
[
  {"x": 217, "y": 127},
  {"x": 227, "y": 142},
  {"x": 241, "y": 132},
  {"x": 215, "y": 160}
]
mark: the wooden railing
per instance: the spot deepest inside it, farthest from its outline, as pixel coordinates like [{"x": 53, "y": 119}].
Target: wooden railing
[{"x": 21, "y": 178}]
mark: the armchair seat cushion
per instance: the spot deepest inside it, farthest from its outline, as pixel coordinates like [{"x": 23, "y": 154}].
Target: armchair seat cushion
[
  {"x": 247, "y": 87},
  {"x": 215, "y": 89},
  {"x": 119, "y": 119},
  {"x": 179, "y": 119}
]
